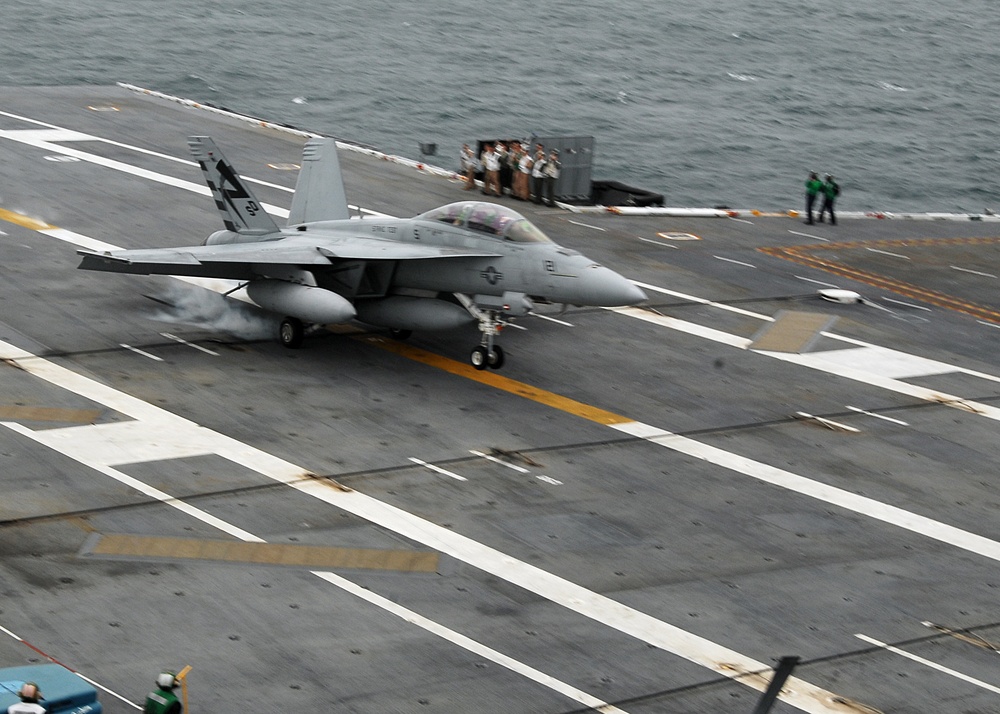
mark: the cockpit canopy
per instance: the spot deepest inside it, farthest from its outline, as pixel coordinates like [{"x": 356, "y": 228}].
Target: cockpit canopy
[{"x": 488, "y": 218}]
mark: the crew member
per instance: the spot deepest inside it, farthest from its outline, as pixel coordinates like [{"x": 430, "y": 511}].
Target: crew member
[
  {"x": 162, "y": 700},
  {"x": 813, "y": 186},
  {"x": 538, "y": 173},
  {"x": 550, "y": 176},
  {"x": 524, "y": 164},
  {"x": 30, "y": 694},
  {"x": 503, "y": 154},
  {"x": 830, "y": 192},
  {"x": 469, "y": 167},
  {"x": 491, "y": 165}
]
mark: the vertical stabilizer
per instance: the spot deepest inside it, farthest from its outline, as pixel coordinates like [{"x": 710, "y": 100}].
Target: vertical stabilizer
[
  {"x": 240, "y": 209},
  {"x": 319, "y": 192}
]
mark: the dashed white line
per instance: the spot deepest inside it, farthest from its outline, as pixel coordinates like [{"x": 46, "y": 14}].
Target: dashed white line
[
  {"x": 818, "y": 282},
  {"x": 552, "y": 319},
  {"x": 878, "y": 416},
  {"x": 140, "y": 352},
  {"x": 885, "y": 252},
  {"x": 828, "y": 422},
  {"x": 906, "y": 304},
  {"x": 809, "y": 235},
  {"x": 550, "y": 480},
  {"x": 974, "y": 272},
  {"x": 587, "y": 225},
  {"x": 988, "y": 324},
  {"x": 515, "y": 467},
  {"x": 928, "y": 663},
  {"x": 703, "y": 301},
  {"x": 175, "y": 338},
  {"x": 437, "y": 469},
  {"x": 738, "y": 262}
]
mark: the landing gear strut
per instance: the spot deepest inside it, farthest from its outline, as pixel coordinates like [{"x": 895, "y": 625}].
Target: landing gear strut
[
  {"x": 486, "y": 354},
  {"x": 489, "y": 310}
]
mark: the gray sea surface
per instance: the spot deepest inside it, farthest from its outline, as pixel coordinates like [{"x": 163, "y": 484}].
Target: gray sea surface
[{"x": 708, "y": 102}]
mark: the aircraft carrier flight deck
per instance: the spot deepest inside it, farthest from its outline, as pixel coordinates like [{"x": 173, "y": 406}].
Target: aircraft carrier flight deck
[{"x": 642, "y": 511}]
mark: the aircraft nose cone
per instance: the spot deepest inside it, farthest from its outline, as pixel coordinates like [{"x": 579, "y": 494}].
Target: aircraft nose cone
[
  {"x": 634, "y": 294},
  {"x": 613, "y": 290}
]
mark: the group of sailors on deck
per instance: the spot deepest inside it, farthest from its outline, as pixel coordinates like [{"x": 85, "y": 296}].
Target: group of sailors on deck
[{"x": 511, "y": 167}]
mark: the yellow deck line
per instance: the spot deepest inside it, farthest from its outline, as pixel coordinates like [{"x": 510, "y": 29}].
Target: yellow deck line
[
  {"x": 25, "y": 221},
  {"x": 492, "y": 379},
  {"x": 82, "y": 416},
  {"x": 304, "y": 556}
]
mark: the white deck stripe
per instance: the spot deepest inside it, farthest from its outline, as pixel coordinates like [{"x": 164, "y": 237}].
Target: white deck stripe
[
  {"x": 878, "y": 416},
  {"x": 515, "y": 467},
  {"x": 974, "y": 272},
  {"x": 552, "y": 319},
  {"x": 731, "y": 260},
  {"x": 175, "y": 338},
  {"x": 885, "y": 252},
  {"x": 140, "y": 352},
  {"x": 587, "y": 225},
  {"x": 437, "y": 469},
  {"x": 690, "y": 328},
  {"x": 928, "y": 663}
]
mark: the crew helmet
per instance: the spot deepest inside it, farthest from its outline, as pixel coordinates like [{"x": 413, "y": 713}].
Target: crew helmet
[
  {"x": 29, "y": 692},
  {"x": 166, "y": 680}
]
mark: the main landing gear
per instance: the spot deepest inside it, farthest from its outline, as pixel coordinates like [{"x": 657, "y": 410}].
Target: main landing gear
[{"x": 290, "y": 332}]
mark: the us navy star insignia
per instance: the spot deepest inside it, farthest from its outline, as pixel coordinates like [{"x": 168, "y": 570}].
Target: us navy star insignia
[{"x": 492, "y": 275}]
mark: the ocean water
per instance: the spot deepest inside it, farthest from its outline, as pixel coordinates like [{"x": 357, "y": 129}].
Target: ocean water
[{"x": 708, "y": 102}]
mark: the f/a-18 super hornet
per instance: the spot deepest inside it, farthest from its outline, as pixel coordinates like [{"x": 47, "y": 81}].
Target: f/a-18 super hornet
[{"x": 463, "y": 263}]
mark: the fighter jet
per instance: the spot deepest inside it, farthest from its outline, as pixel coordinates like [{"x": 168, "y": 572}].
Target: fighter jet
[{"x": 463, "y": 263}]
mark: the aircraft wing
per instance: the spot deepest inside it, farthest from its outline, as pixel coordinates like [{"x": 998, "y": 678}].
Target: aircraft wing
[{"x": 237, "y": 260}]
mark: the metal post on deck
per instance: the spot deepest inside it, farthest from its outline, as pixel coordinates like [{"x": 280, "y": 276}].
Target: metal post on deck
[{"x": 781, "y": 674}]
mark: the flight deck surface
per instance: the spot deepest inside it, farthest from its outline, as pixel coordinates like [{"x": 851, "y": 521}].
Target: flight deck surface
[{"x": 644, "y": 509}]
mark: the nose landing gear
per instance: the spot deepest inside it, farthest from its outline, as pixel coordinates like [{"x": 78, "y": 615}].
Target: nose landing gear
[
  {"x": 486, "y": 354},
  {"x": 489, "y": 311}
]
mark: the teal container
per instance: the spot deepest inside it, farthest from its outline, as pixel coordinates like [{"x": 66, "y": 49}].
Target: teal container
[{"x": 62, "y": 691}]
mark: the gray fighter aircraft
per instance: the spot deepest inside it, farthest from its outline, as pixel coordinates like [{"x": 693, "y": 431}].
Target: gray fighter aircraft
[{"x": 462, "y": 263}]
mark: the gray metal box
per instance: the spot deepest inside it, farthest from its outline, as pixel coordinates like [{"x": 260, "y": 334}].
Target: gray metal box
[{"x": 576, "y": 154}]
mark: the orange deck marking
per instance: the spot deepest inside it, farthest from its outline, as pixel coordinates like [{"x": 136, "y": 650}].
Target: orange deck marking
[
  {"x": 492, "y": 379},
  {"x": 810, "y": 255}
]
